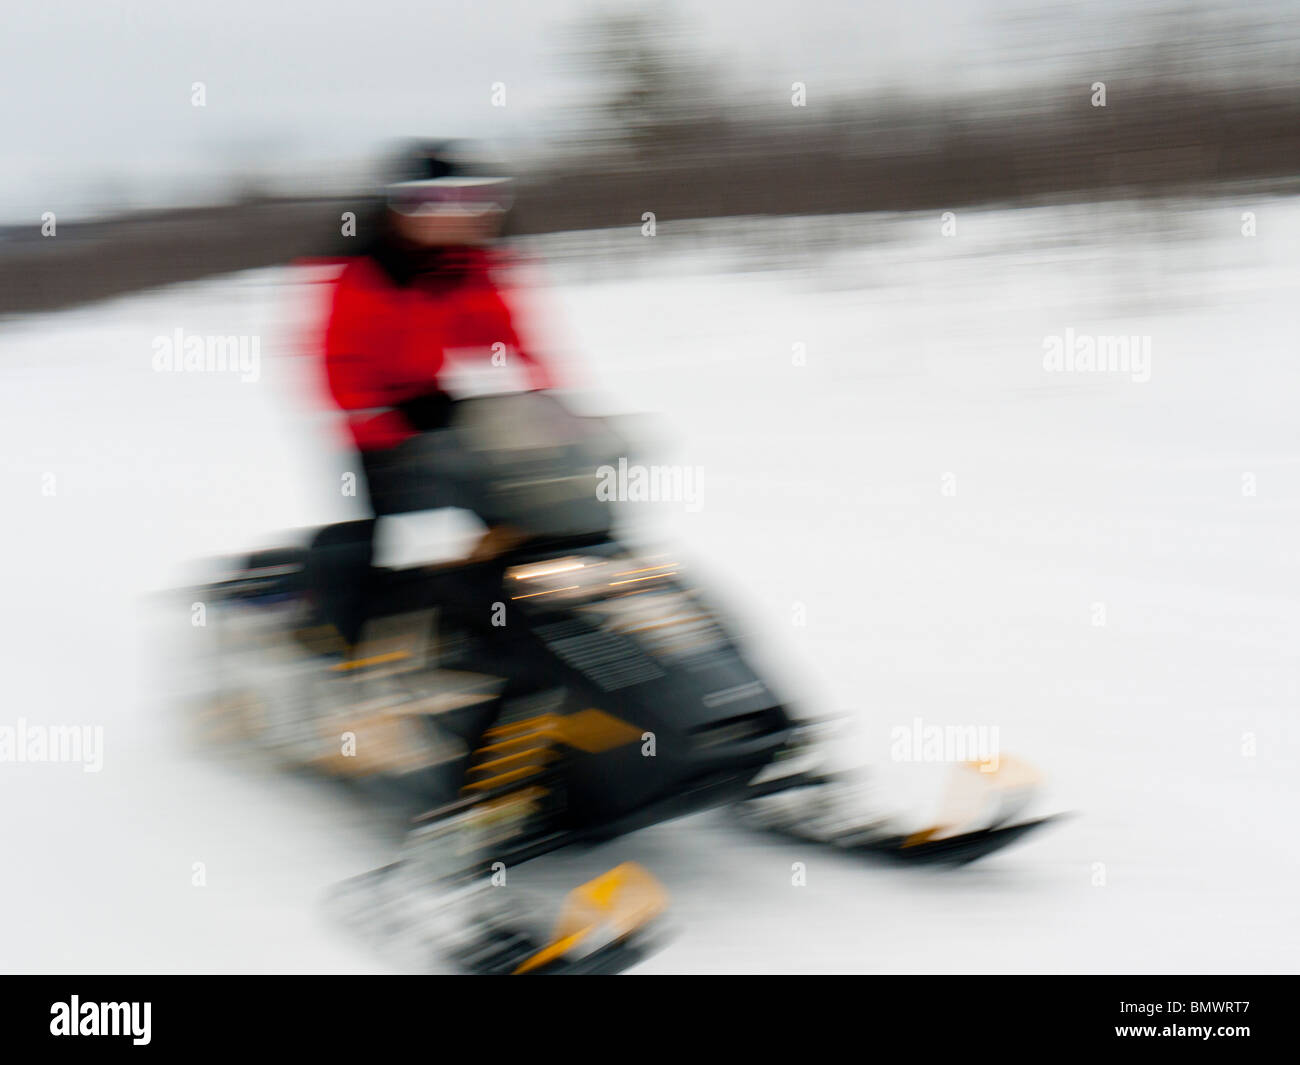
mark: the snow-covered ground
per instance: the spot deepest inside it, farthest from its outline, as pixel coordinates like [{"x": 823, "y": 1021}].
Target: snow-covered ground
[{"x": 1104, "y": 569}]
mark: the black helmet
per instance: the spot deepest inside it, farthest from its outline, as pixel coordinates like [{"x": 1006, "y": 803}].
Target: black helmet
[{"x": 424, "y": 159}]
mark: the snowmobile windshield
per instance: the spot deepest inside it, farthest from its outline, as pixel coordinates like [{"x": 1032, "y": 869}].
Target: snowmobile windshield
[{"x": 536, "y": 463}]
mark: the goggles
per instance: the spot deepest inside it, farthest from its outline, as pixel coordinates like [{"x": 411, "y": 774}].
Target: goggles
[{"x": 451, "y": 195}]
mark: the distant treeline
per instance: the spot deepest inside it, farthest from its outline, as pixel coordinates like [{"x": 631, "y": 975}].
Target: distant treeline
[{"x": 1149, "y": 140}]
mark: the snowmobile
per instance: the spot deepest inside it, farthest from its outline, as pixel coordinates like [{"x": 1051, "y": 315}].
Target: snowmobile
[{"x": 557, "y": 687}]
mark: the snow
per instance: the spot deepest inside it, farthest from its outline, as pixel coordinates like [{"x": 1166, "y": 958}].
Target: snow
[{"x": 947, "y": 518}]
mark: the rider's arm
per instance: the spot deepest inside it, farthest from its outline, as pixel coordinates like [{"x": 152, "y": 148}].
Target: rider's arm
[{"x": 355, "y": 377}]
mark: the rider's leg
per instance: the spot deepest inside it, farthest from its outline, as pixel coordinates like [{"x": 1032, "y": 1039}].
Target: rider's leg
[
  {"x": 338, "y": 571},
  {"x": 421, "y": 475},
  {"x": 427, "y": 472}
]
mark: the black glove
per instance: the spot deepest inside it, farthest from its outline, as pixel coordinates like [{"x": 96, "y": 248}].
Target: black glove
[{"x": 432, "y": 410}]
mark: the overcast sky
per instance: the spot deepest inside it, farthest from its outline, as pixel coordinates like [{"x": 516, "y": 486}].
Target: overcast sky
[{"x": 95, "y": 106}]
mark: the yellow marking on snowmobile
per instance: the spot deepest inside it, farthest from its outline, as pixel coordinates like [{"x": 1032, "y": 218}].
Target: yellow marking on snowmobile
[
  {"x": 590, "y": 730},
  {"x": 516, "y": 726},
  {"x": 373, "y": 660},
  {"x": 551, "y": 951},
  {"x": 621, "y": 901},
  {"x": 602, "y": 890},
  {"x": 544, "y": 753},
  {"x": 594, "y": 731},
  {"x": 924, "y": 836},
  {"x": 502, "y": 779},
  {"x": 539, "y": 742}
]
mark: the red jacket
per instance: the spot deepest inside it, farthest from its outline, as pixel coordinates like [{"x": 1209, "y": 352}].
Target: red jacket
[{"x": 386, "y": 343}]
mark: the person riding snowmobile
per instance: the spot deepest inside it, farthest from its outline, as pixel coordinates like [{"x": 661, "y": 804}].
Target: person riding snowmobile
[
  {"x": 614, "y": 699},
  {"x": 427, "y": 285}
]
